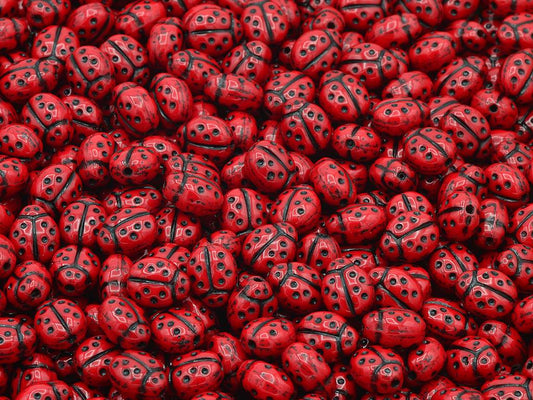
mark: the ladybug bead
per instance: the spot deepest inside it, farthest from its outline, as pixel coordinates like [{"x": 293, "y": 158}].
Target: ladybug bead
[
  {"x": 213, "y": 274},
  {"x": 267, "y": 337},
  {"x": 135, "y": 110},
  {"x": 55, "y": 188},
  {"x": 329, "y": 334},
  {"x": 458, "y": 216},
  {"x": 472, "y": 360},
  {"x": 298, "y": 206},
  {"x": 269, "y": 167},
  {"x": 285, "y": 86},
  {"x": 446, "y": 319},
  {"x": 14, "y": 177},
  {"x": 461, "y": 78},
  {"x": 425, "y": 360},
  {"x": 377, "y": 369},
  {"x": 55, "y": 43},
  {"x": 128, "y": 230},
  {"x": 486, "y": 293},
  {"x": 513, "y": 261},
  {"x": 156, "y": 283},
  {"x": 74, "y": 270},
  {"x": 194, "y": 67},
  {"x": 263, "y": 381},
  {"x": 198, "y": 23},
  {"x": 297, "y": 287},
  {"x": 508, "y": 184},
  {"x": 138, "y": 17},
  {"x": 129, "y": 59},
  {"x": 393, "y": 327},
  {"x": 371, "y": 63},
  {"x": 60, "y": 324},
  {"x": 173, "y": 99},
  {"x": 56, "y": 389},
  {"x": 305, "y": 127},
  {"x": 124, "y": 322},
  {"x": 260, "y": 249},
  {"x": 19, "y": 342},
  {"x": 113, "y": 275},
  {"x": 89, "y": 72},
  {"x": 147, "y": 197},
  {"x": 137, "y": 374},
  {"x": 134, "y": 165},
  {"x": 37, "y": 368},
  {"x": 26, "y": 78},
  {"x": 347, "y": 289},
  {"x": 448, "y": 262},
  {"x": 196, "y": 372},
  {"x": 313, "y": 46},
  {"x": 250, "y": 60},
  {"x": 50, "y": 119},
  {"x": 29, "y": 284},
  {"x": 93, "y": 358},
  {"x": 395, "y": 287},
  {"x": 493, "y": 223},
  {"x": 343, "y": 96},
  {"x": 506, "y": 386},
  {"x": 506, "y": 339},
  {"x": 305, "y": 366},
  {"x": 17, "y": 32},
  {"x": 34, "y": 222},
  {"x": 512, "y": 77},
  {"x": 409, "y": 237}
]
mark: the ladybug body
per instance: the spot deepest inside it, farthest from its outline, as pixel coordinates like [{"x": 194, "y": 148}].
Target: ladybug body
[
  {"x": 472, "y": 360},
  {"x": 20, "y": 339},
  {"x": 257, "y": 249},
  {"x": 89, "y": 72},
  {"x": 297, "y": 286},
  {"x": 196, "y": 372},
  {"x": 385, "y": 374},
  {"x": 138, "y": 17},
  {"x": 212, "y": 271},
  {"x": 305, "y": 366},
  {"x": 393, "y": 327},
  {"x": 446, "y": 320},
  {"x": 34, "y": 222},
  {"x": 136, "y": 111},
  {"x": 199, "y": 23},
  {"x": 265, "y": 381},
  {"x": 146, "y": 377},
  {"x": 347, "y": 289},
  {"x": 26, "y": 78},
  {"x": 358, "y": 223},
  {"x": 329, "y": 334},
  {"x": 74, "y": 270},
  {"x": 128, "y": 230},
  {"x": 50, "y": 118},
  {"x": 93, "y": 358},
  {"x": 129, "y": 59},
  {"x": 60, "y": 324},
  {"x": 124, "y": 322},
  {"x": 267, "y": 337},
  {"x": 234, "y": 92},
  {"x": 157, "y": 283}
]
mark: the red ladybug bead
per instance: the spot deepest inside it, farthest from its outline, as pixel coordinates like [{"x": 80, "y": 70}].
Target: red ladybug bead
[
  {"x": 196, "y": 372},
  {"x": 393, "y": 327},
  {"x": 264, "y": 380},
  {"x": 377, "y": 369},
  {"x": 60, "y": 324},
  {"x": 472, "y": 360},
  {"x": 137, "y": 374},
  {"x": 124, "y": 322}
]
